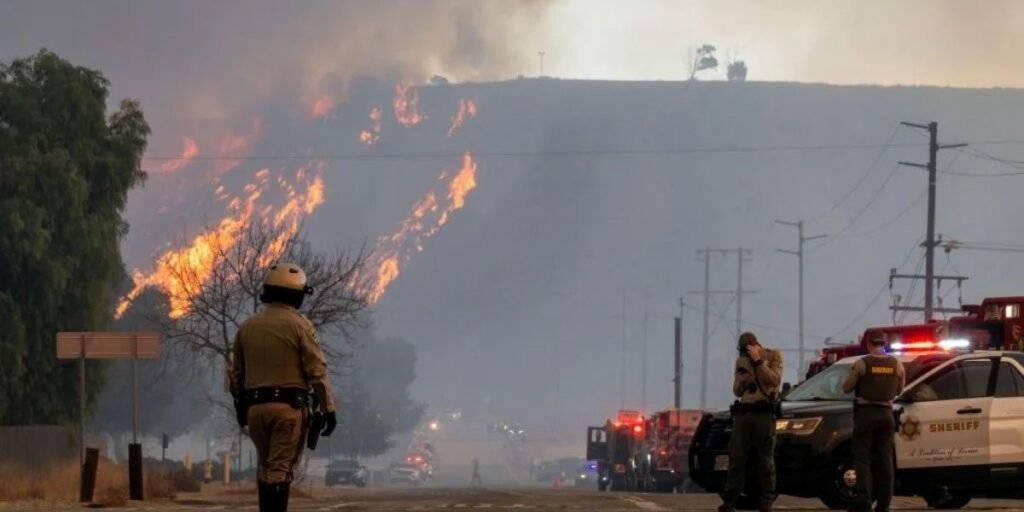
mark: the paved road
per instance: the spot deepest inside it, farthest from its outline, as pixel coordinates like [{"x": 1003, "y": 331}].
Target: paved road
[{"x": 400, "y": 499}]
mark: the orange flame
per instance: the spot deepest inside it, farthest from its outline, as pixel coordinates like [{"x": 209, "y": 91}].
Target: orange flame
[
  {"x": 321, "y": 107},
  {"x": 371, "y": 136},
  {"x": 407, "y": 105},
  {"x": 187, "y": 154},
  {"x": 200, "y": 257},
  {"x": 426, "y": 219},
  {"x": 467, "y": 109},
  {"x": 235, "y": 145}
]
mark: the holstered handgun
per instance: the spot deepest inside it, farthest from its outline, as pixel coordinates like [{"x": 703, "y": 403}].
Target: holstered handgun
[{"x": 315, "y": 421}]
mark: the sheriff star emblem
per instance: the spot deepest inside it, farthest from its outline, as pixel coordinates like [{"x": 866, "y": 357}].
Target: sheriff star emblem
[{"x": 910, "y": 428}]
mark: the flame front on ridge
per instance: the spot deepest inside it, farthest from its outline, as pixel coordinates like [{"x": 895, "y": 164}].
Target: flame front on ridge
[
  {"x": 427, "y": 217},
  {"x": 199, "y": 258},
  {"x": 407, "y": 105},
  {"x": 467, "y": 109},
  {"x": 371, "y": 136}
]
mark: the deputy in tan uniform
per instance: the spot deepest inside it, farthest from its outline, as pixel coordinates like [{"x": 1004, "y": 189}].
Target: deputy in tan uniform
[
  {"x": 278, "y": 370},
  {"x": 757, "y": 377},
  {"x": 876, "y": 379}
]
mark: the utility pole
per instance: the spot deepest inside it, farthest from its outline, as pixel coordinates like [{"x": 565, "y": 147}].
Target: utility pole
[
  {"x": 622, "y": 369},
  {"x": 643, "y": 371},
  {"x": 737, "y": 294},
  {"x": 741, "y": 254},
  {"x": 541, "y": 55},
  {"x": 929, "y": 241},
  {"x": 678, "y": 370},
  {"x": 799, "y": 253}
]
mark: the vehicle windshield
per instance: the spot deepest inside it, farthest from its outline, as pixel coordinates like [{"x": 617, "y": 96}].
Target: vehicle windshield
[
  {"x": 344, "y": 464},
  {"x": 827, "y": 385}
]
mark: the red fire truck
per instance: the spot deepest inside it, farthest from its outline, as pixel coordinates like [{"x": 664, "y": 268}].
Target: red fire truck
[
  {"x": 637, "y": 453},
  {"x": 661, "y": 465},
  {"x": 915, "y": 333},
  {"x": 994, "y": 324},
  {"x": 612, "y": 446}
]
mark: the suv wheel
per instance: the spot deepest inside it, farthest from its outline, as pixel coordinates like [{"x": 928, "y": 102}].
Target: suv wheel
[
  {"x": 948, "y": 499},
  {"x": 839, "y": 491}
]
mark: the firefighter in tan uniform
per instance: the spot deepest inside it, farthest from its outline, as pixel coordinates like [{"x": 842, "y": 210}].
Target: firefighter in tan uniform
[
  {"x": 756, "y": 380},
  {"x": 876, "y": 379},
  {"x": 278, "y": 371}
]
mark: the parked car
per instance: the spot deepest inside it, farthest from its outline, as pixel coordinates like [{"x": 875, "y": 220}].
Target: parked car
[
  {"x": 346, "y": 472},
  {"x": 561, "y": 469},
  {"x": 406, "y": 473},
  {"x": 586, "y": 476}
]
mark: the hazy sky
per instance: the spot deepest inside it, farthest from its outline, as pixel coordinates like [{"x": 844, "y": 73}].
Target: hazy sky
[
  {"x": 215, "y": 59},
  {"x": 934, "y": 42}
]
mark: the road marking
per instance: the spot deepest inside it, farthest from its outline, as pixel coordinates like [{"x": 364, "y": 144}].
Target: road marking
[
  {"x": 641, "y": 503},
  {"x": 336, "y": 506}
]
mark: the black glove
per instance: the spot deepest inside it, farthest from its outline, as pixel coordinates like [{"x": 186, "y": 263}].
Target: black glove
[
  {"x": 329, "y": 420},
  {"x": 241, "y": 413}
]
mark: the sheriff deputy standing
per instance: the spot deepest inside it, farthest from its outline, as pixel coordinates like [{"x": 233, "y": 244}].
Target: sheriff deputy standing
[
  {"x": 277, "y": 365},
  {"x": 876, "y": 379},
  {"x": 757, "y": 377}
]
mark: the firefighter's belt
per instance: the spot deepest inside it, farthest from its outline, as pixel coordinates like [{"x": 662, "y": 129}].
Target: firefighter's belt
[{"x": 297, "y": 398}]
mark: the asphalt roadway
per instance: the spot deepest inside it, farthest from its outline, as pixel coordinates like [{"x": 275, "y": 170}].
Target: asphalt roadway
[{"x": 388, "y": 499}]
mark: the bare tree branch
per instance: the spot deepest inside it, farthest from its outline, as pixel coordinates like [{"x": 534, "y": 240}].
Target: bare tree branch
[{"x": 218, "y": 299}]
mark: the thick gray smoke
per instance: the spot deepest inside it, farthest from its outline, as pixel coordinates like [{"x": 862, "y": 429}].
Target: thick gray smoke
[{"x": 189, "y": 61}]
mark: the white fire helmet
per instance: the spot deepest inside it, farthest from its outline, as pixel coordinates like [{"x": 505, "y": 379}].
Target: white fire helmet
[{"x": 286, "y": 275}]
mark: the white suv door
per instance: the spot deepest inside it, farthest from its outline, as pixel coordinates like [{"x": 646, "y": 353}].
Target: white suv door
[
  {"x": 1007, "y": 416},
  {"x": 945, "y": 422}
]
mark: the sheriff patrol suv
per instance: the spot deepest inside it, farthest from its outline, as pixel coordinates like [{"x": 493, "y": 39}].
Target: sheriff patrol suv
[{"x": 961, "y": 431}]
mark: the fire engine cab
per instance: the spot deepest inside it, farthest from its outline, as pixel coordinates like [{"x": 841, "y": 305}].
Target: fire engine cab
[
  {"x": 961, "y": 430},
  {"x": 994, "y": 324}
]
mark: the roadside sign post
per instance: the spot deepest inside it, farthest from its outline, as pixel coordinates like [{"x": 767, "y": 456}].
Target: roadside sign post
[{"x": 111, "y": 345}]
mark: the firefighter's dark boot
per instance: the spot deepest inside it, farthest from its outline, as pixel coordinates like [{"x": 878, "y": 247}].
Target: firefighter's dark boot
[
  {"x": 279, "y": 496},
  {"x": 262, "y": 488},
  {"x": 728, "y": 502}
]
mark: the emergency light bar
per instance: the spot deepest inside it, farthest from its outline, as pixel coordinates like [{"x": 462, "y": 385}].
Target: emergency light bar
[{"x": 928, "y": 346}]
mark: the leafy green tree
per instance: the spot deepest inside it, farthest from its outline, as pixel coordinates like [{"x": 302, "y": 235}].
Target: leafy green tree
[
  {"x": 704, "y": 59},
  {"x": 65, "y": 171},
  {"x": 737, "y": 71},
  {"x": 387, "y": 369},
  {"x": 172, "y": 398}
]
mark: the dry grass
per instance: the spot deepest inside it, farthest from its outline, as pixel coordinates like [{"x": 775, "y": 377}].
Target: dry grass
[{"x": 60, "y": 484}]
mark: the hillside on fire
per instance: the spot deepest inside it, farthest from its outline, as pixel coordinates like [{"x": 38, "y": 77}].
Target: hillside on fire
[{"x": 516, "y": 221}]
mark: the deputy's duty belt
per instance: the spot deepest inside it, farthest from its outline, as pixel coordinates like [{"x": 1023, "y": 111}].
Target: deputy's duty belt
[
  {"x": 756, "y": 407},
  {"x": 295, "y": 397}
]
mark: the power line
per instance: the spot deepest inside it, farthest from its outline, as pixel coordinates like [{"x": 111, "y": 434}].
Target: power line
[
  {"x": 876, "y": 297},
  {"x": 977, "y": 153},
  {"x": 895, "y": 218},
  {"x": 989, "y": 156},
  {"x": 749, "y": 323},
  {"x": 512, "y": 154},
  {"x": 863, "y": 176},
  {"x": 853, "y": 221},
  {"x": 983, "y": 174},
  {"x": 911, "y": 288},
  {"x": 905, "y": 210}
]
